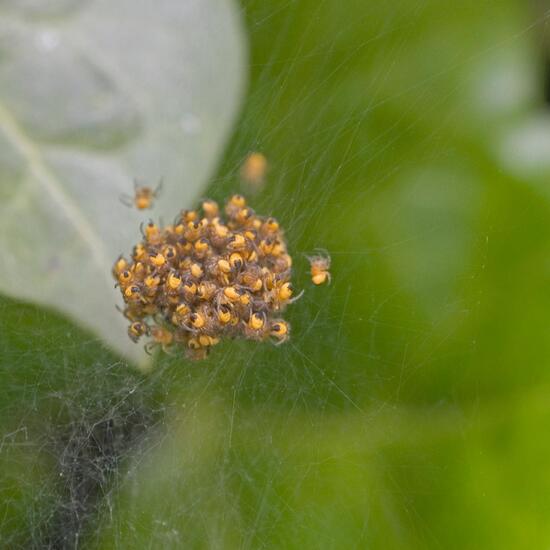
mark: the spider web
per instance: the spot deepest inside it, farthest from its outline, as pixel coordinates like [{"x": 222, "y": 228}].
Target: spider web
[{"x": 387, "y": 127}]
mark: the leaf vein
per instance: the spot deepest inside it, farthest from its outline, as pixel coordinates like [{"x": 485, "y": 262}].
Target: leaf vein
[{"x": 51, "y": 184}]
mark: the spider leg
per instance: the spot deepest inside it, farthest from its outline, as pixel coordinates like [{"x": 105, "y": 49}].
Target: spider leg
[
  {"x": 296, "y": 298},
  {"x": 148, "y": 347},
  {"x": 158, "y": 189},
  {"x": 126, "y": 200}
]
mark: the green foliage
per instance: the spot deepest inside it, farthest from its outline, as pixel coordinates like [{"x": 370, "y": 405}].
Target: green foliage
[{"x": 409, "y": 409}]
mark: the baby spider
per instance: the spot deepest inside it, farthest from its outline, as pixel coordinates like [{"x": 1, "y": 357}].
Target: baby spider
[
  {"x": 202, "y": 320},
  {"x": 151, "y": 233},
  {"x": 233, "y": 296},
  {"x": 120, "y": 265},
  {"x": 255, "y": 328},
  {"x": 280, "y": 330},
  {"x": 226, "y": 315},
  {"x": 143, "y": 196},
  {"x": 254, "y": 169},
  {"x": 136, "y": 330},
  {"x": 199, "y": 347},
  {"x": 320, "y": 266},
  {"x": 210, "y": 208},
  {"x": 161, "y": 337},
  {"x": 281, "y": 295}
]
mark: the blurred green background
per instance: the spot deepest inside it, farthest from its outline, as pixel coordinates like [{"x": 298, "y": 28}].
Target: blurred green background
[{"x": 411, "y": 408}]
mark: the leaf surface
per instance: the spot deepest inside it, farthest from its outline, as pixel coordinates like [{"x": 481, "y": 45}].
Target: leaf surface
[{"x": 93, "y": 95}]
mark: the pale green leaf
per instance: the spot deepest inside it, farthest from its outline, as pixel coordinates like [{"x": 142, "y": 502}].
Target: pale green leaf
[{"x": 93, "y": 94}]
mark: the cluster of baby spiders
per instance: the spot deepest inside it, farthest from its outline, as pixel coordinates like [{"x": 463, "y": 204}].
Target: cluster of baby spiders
[{"x": 202, "y": 278}]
